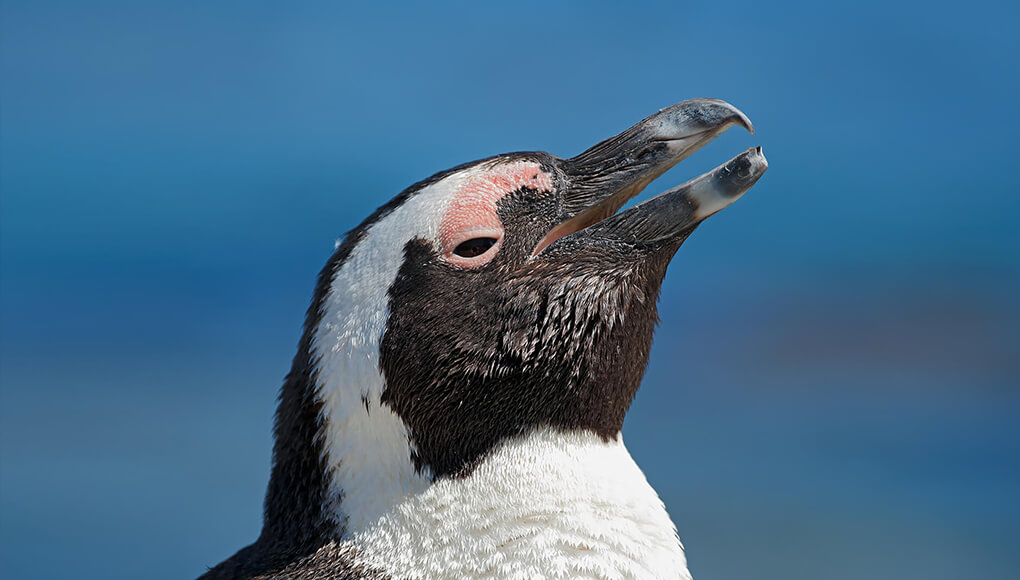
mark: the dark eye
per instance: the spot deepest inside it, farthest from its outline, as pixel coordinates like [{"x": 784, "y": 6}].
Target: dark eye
[{"x": 474, "y": 247}]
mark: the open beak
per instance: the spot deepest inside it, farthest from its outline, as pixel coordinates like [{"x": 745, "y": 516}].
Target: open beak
[
  {"x": 672, "y": 215},
  {"x": 603, "y": 178}
]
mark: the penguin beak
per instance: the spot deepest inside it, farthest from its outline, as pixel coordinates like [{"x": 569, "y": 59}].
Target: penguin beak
[
  {"x": 601, "y": 179},
  {"x": 672, "y": 215}
]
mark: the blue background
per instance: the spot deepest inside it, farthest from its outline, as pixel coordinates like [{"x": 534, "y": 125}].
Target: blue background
[{"x": 834, "y": 390}]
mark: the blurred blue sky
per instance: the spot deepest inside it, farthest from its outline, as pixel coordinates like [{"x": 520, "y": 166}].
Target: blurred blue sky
[{"x": 835, "y": 386}]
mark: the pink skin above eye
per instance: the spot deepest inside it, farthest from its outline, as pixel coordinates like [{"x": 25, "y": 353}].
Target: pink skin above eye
[{"x": 472, "y": 211}]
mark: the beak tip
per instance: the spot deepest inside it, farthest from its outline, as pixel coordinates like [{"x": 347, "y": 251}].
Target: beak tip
[
  {"x": 738, "y": 117},
  {"x": 697, "y": 117},
  {"x": 758, "y": 157},
  {"x": 728, "y": 183}
]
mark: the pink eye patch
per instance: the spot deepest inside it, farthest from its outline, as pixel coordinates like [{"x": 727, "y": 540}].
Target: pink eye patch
[{"x": 472, "y": 213}]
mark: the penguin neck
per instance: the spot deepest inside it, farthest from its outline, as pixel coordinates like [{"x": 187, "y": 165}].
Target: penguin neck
[
  {"x": 341, "y": 458},
  {"x": 545, "y": 501},
  {"x": 344, "y": 471}
]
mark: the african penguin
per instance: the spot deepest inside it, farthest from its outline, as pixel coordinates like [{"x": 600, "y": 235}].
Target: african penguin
[{"x": 455, "y": 405}]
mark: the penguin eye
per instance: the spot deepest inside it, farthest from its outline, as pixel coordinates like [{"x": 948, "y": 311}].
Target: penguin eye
[{"x": 474, "y": 247}]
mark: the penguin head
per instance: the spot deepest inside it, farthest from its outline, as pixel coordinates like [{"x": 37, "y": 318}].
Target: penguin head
[{"x": 507, "y": 294}]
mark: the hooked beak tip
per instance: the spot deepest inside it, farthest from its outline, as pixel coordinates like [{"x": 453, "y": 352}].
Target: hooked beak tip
[{"x": 697, "y": 118}]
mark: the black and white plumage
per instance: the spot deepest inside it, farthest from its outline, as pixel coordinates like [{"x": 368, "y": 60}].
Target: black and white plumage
[{"x": 455, "y": 406}]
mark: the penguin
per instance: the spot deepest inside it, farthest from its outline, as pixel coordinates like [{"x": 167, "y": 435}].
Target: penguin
[{"x": 454, "y": 409}]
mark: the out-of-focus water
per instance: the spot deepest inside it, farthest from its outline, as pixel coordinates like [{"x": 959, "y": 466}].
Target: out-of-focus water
[{"x": 834, "y": 389}]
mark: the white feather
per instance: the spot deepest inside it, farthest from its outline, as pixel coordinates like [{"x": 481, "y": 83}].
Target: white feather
[
  {"x": 551, "y": 505},
  {"x": 367, "y": 449}
]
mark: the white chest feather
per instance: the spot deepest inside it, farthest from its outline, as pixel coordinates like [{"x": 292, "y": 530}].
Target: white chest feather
[{"x": 552, "y": 505}]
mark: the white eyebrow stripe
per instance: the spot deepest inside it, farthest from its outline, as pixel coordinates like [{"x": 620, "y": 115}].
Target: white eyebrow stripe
[{"x": 366, "y": 445}]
